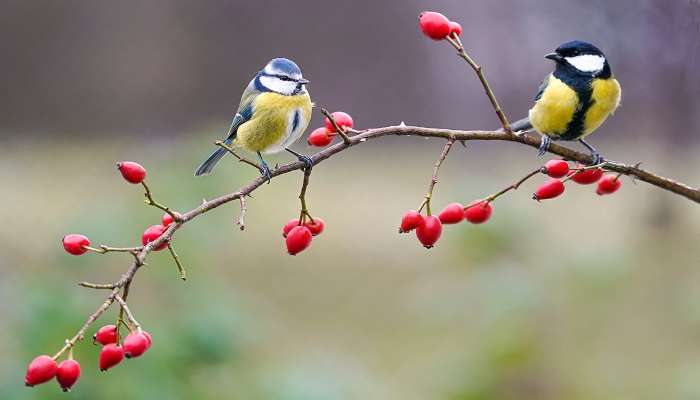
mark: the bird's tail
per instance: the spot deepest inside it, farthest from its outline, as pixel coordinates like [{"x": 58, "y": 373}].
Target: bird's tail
[
  {"x": 521, "y": 125},
  {"x": 208, "y": 165}
]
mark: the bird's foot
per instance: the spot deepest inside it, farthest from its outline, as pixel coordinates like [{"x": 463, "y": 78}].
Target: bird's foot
[
  {"x": 308, "y": 161},
  {"x": 597, "y": 158},
  {"x": 544, "y": 145},
  {"x": 265, "y": 171}
]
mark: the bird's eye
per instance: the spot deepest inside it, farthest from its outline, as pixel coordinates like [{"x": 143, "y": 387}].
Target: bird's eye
[
  {"x": 284, "y": 78},
  {"x": 576, "y": 52}
]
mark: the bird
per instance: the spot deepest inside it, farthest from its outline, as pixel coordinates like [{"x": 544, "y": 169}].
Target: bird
[
  {"x": 575, "y": 99},
  {"x": 274, "y": 111}
]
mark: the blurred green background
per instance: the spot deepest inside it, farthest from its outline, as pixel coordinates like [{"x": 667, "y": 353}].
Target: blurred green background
[{"x": 579, "y": 298}]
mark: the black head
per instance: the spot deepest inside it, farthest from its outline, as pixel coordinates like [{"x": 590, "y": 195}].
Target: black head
[{"x": 581, "y": 58}]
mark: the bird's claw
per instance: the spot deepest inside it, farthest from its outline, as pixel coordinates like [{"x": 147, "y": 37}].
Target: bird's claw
[
  {"x": 265, "y": 171},
  {"x": 597, "y": 158},
  {"x": 308, "y": 161},
  {"x": 544, "y": 145}
]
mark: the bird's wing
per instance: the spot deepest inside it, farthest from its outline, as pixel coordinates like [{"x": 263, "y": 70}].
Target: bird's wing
[
  {"x": 245, "y": 111},
  {"x": 542, "y": 87}
]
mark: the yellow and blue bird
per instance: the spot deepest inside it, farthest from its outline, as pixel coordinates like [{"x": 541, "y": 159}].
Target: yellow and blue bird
[
  {"x": 274, "y": 112},
  {"x": 575, "y": 99}
]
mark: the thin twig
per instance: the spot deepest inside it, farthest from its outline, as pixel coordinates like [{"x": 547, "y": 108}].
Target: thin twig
[
  {"x": 233, "y": 153},
  {"x": 151, "y": 202},
  {"x": 128, "y": 313},
  {"x": 240, "y": 222},
  {"x": 457, "y": 44},
  {"x": 96, "y": 285},
  {"x": 434, "y": 179},
  {"x": 341, "y": 131},
  {"x": 302, "y": 197},
  {"x": 102, "y": 249},
  {"x": 514, "y": 186},
  {"x": 183, "y": 273}
]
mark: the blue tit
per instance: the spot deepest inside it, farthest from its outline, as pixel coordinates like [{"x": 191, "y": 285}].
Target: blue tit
[
  {"x": 575, "y": 99},
  {"x": 274, "y": 111}
]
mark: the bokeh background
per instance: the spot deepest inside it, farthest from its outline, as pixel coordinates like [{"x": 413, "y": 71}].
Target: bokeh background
[{"x": 583, "y": 297}]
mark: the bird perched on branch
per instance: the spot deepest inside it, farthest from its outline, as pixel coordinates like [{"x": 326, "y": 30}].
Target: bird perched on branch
[
  {"x": 575, "y": 99},
  {"x": 274, "y": 111}
]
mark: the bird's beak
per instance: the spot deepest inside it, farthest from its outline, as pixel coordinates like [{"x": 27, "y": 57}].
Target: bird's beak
[
  {"x": 303, "y": 81},
  {"x": 553, "y": 56}
]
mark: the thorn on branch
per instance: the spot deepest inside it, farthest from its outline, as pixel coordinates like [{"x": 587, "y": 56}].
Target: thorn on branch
[{"x": 233, "y": 153}]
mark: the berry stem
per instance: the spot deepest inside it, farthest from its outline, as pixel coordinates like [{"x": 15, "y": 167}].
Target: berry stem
[
  {"x": 129, "y": 315},
  {"x": 233, "y": 153},
  {"x": 457, "y": 44},
  {"x": 102, "y": 249},
  {"x": 433, "y": 181},
  {"x": 183, "y": 273},
  {"x": 149, "y": 200},
  {"x": 302, "y": 198},
  {"x": 341, "y": 131}
]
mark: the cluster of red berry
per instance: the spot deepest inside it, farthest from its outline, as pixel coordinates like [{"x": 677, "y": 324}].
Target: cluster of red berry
[
  {"x": 557, "y": 169},
  {"x": 44, "y": 368},
  {"x": 323, "y": 136},
  {"x": 429, "y": 228},
  {"x": 298, "y": 233},
  {"x": 437, "y": 26}
]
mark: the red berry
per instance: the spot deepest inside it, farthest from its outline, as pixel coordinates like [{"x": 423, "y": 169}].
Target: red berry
[
  {"x": 316, "y": 227},
  {"x": 105, "y": 335},
  {"x": 556, "y": 168},
  {"x": 75, "y": 244},
  {"x": 587, "y": 177},
  {"x": 410, "y": 221},
  {"x": 41, "y": 369},
  {"x": 67, "y": 374},
  {"x": 320, "y": 138},
  {"x": 152, "y": 233},
  {"x": 434, "y": 25},
  {"x": 289, "y": 226},
  {"x": 478, "y": 211},
  {"x": 111, "y": 355},
  {"x": 549, "y": 190},
  {"x": 135, "y": 344},
  {"x": 608, "y": 184},
  {"x": 452, "y": 214},
  {"x": 455, "y": 28},
  {"x": 168, "y": 219},
  {"x": 429, "y": 232},
  {"x": 131, "y": 171},
  {"x": 298, "y": 239},
  {"x": 149, "y": 338},
  {"x": 342, "y": 119}
]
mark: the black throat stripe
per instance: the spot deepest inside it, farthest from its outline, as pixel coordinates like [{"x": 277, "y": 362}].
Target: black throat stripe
[{"x": 583, "y": 87}]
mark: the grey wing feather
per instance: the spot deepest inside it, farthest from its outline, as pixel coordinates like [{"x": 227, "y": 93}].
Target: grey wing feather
[
  {"x": 524, "y": 124},
  {"x": 542, "y": 88},
  {"x": 244, "y": 114}
]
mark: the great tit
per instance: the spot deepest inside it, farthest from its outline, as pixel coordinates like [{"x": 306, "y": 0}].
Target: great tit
[
  {"x": 274, "y": 111},
  {"x": 575, "y": 99}
]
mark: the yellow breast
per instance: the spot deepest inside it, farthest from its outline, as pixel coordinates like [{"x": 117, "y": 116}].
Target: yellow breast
[
  {"x": 606, "y": 98},
  {"x": 270, "y": 124},
  {"x": 555, "y": 108}
]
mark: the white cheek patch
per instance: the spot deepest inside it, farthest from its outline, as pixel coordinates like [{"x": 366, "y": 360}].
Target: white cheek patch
[
  {"x": 587, "y": 62},
  {"x": 277, "y": 85}
]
